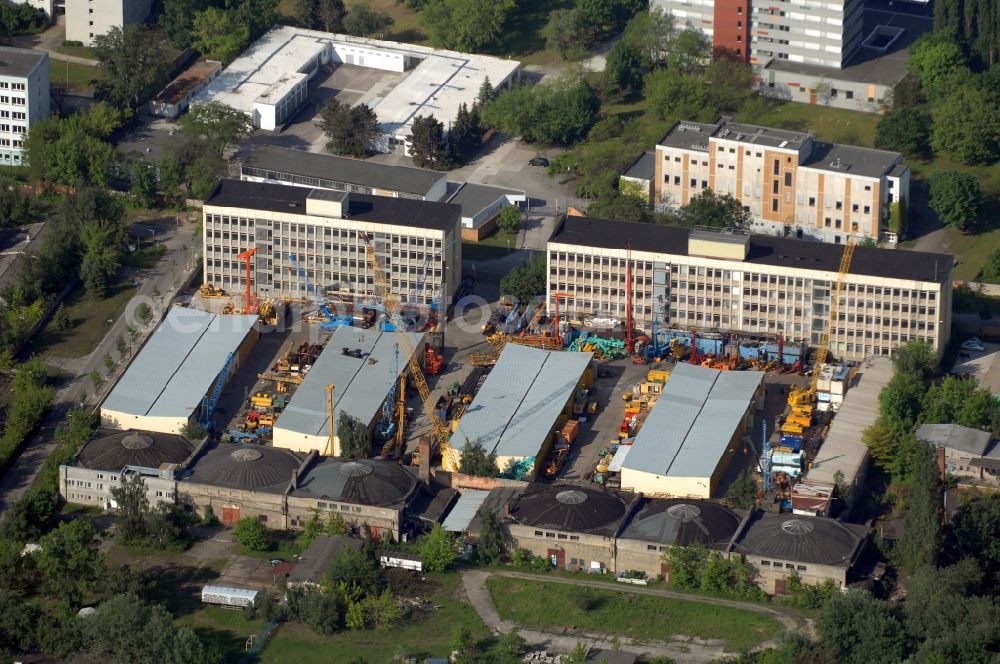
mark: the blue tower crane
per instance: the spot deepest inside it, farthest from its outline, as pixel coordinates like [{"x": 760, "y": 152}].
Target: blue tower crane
[
  {"x": 208, "y": 407},
  {"x": 386, "y": 427}
]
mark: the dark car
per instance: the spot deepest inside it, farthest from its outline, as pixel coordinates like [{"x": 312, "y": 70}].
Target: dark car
[{"x": 538, "y": 161}]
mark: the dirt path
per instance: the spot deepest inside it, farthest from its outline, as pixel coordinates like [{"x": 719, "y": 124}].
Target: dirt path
[{"x": 680, "y": 649}]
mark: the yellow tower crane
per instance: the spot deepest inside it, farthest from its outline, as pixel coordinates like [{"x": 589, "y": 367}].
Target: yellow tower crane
[
  {"x": 390, "y": 301},
  {"x": 802, "y": 397}
]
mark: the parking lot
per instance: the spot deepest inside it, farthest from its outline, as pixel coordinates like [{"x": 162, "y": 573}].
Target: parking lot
[{"x": 984, "y": 365}]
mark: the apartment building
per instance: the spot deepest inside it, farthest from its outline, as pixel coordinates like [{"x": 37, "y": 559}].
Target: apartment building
[
  {"x": 793, "y": 184},
  {"x": 24, "y": 98},
  {"x": 86, "y": 19},
  {"x": 417, "y": 242},
  {"x": 756, "y": 286}
]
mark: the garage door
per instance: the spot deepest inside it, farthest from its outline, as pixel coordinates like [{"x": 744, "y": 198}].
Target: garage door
[{"x": 230, "y": 515}]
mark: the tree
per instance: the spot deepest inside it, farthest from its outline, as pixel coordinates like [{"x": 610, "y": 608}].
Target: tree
[
  {"x": 164, "y": 527},
  {"x": 437, "y": 549},
  {"x": 350, "y": 130},
  {"x": 427, "y": 142},
  {"x": 906, "y": 129},
  {"x": 916, "y": 357},
  {"x": 605, "y": 17},
  {"x": 326, "y": 15},
  {"x": 509, "y": 219},
  {"x": 62, "y": 319},
  {"x": 921, "y": 541},
  {"x": 524, "y": 282},
  {"x": 102, "y": 242},
  {"x": 957, "y": 400},
  {"x": 650, "y": 33},
  {"x": 364, "y": 21},
  {"x": 476, "y": 461},
  {"x": 353, "y": 436},
  {"x": 466, "y": 25},
  {"x": 219, "y": 34},
  {"x": 177, "y": 19},
  {"x": 383, "y": 609},
  {"x": 130, "y": 60},
  {"x": 901, "y": 398},
  {"x": 252, "y": 534},
  {"x": 966, "y": 125},
  {"x": 622, "y": 71},
  {"x": 315, "y": 608},
  {"x": 742, "y": 493},
  {"x": 889, "y": 442},
  {"x": 73, "y": 150},
  {"x": 130, "y": 495},
  {"x": 974, "y": 534},
  {"x": 30, "y": 516},
  {"x": 491, "y": 539},
  {"x": 215, "y": 126},
  {"x": 619, "y": 206},
  {"x": 559, "y": 112},
  {"x": 689, "y": 51},
  {"x": 956, "y": 197},
  {"x": 144, "y": 312},
  {"x": 936, "y": 59},
  {"x": 856, "y": 628},
  {"x": 715, "y": 210},
  {"x": 18, "y": 622},
  {"x": 466, "y": 134},
  {"x": 356, "y": 573},
  {"x": 69, "y": 562},
  {"x": 564, "y": 33}
]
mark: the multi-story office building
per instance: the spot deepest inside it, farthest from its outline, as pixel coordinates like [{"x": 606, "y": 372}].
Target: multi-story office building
[
  {"x": 24, "y": 98},
  {"x": 751, "y": 285},
  {"x": 418, "y": 242},
  {"x": 793, "y": 184},
  {"x": 86, "y": 19},
  {"x": 827, "y": 34}
]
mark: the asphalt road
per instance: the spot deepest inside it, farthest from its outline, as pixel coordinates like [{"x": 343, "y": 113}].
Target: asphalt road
[{"x": 181, "y": 257}]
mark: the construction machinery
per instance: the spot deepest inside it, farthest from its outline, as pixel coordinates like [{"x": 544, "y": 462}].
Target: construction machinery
[
  {"x": 268, "y": 312},
  {"x": 391, "y": 303},
  {"x": 433, "y": 361},
  {"x": 385, "y": 429},
  {"x": 330, "y": 423},
  {"x": 807, "y": 396},
  {"x": 208, "y": 407},
  {"x": 208, "y": 290},
  {"x": 329, "y": 320},
  {"x": 250, "y": 304}
]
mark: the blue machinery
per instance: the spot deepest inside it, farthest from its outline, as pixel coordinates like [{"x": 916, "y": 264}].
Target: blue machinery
[
  {"x": 767, "y": 479},
  {"x": 333, "y": 321},
  {"x": 208, "y": 407},
  {"x": 386, "y": 427}
]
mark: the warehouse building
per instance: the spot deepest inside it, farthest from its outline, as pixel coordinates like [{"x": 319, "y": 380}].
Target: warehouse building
[
  {"x": 170, "y": 381},
  {"x": 481, "y": 206},
  {"x": 284, "y": 489},
  {"x": 362, "y": 365},
  {"x": 270, "y": 80},
  {"x": 573, "y": 526},
  {"x": 111, "y": 455},
  {"x": 417, "y": 242},
  {"x": 525, "y": 399},
  {"x": 751, "y": 285},
  {"x": 966, "y": 453},
  {"x": 842, "y": 459},
  {"x": 693, "y": 432},
  {"x": 792, "y": 184}
]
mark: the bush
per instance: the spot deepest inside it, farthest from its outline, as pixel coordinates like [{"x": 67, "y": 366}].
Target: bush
[
  {"x": 252, "y": 534},
  {"x": 73, "y": 42}
]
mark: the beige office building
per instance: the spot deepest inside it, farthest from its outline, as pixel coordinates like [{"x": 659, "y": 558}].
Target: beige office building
[
  {"x": 756, "y": 286},
  {"x": 86, "y": 19},
  {"x": 793, "y": 184}
]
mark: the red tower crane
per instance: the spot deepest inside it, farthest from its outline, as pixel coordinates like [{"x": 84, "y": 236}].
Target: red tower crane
[{"x": 251, "y": 301}]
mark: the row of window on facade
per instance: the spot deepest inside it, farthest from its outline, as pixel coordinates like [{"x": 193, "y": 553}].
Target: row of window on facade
[
  {"x": 279, "y": 176},
  {"x": 562, "y": 536},
  {"x": 335, "y": 506}
]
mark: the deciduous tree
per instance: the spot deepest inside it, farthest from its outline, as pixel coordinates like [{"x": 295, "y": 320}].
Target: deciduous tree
[
  {"x": 466, "y": 25},
  {"x": 219, "y": 34},
  {"x": 354, "y": 437},
  {"x": 364, "y": 21},
  {"x": 715, "y": 210},
  {"x": 622, "y": 71},
  {"x": 131, "y": 61},
  {"x": 937, "y": 59},
  {"x": 437, "y": 551},
  {"x": 69, "y": 561},
  {"x": 215, "y": 126},
  {"x": 491, "y": 538},
  {"x": 476, "y": 461},
  {"x": 921, "y": 541},
  {"x": 742, "y": 493},
  {"x": 856, "y": 628},
  {"x": 966, "y": 125},
  {"x": 252, "y": 534},
  {"x": 130, "y": 495},
  {"x": 956, "y": 197},
  {"x": 509, "y": 219},
  {"x": 565, "y": 33},
  {"x": 905, "y": 129}
]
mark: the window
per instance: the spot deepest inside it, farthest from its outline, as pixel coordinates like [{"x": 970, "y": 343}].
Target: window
[
  {"x": 788, "y": 179},
  {"x": 550, "y": 534},
  {"x": 538, "y": 533},
  {"x": 774, "y": 205},
  {"x": 765, "y": 563},
  {"x": 801, "y": 568},
  {"x": 561, "y": 536},
  {"x": 812, "y": 201},
  {"x": 651, "y": 547}
]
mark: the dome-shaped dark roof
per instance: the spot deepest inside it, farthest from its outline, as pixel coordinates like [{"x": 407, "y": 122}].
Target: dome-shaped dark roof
[
  {"x": 801, "y": 539},
  {"x": 364, "y": 482},
  {"x": 569, "y": 508},
  {"x": 245, "y": 467},
  {"x": 682, "y": 522},
  {"x": 113, "y": 449}
]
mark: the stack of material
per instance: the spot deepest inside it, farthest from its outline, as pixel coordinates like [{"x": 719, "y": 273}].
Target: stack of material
[
  {"x": 609, "y": 349},
  {"x": 831, "y": 387}
]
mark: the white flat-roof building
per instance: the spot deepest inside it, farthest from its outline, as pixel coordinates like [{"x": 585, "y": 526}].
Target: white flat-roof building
[
  {"x": 167, "y": 383},
  {"x": 24, "y": 98},
  {"x": 361, "y": 385},
  {"x": 269, "y": 82},
  {"x": 693, "y": 431},
  {"x": 525, "y": 399}
]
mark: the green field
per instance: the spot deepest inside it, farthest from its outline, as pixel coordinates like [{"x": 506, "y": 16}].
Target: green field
[
  {"x": 72, "y": 75},
  {"x": 537, "y": 603},
  {"x": 835, "y": 125},
  {"x": 226, "y": 629},
  {"x": 422, "y": 635},
  {"x": 90, "y": 318}
]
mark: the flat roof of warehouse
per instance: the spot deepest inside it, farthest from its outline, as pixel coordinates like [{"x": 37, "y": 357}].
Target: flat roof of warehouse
[
  {"x": 520, "y": 400},
  {"x": 764, "y": 249},
  {"x": 178, "y": 364},
  {"x": 693, "y": 421},
  {"x": 437, "y": 81},
  {"x": 843, "y": 451},
  {"x": 360, "y": 387},
  {"x": 342, "y": 169},
  {"x": 361, "y": 207}
]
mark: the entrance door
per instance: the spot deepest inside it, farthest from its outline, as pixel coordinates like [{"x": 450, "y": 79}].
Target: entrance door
[
  {"x": 230, "y": 515},
  {"x": 557, "y": 557},
  {"x": 780, "y": 587}
]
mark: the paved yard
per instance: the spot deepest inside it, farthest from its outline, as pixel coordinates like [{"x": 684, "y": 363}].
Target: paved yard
[{"x": 984, "y": 365}]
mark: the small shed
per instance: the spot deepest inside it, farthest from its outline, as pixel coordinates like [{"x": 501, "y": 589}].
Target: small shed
[
  {"x": 402, "y": 560},
  {"x": 233, "y": 598}
]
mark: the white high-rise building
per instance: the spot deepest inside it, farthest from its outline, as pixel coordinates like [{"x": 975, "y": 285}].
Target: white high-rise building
[
  {"x": 86, "y": 19},
  {"x": 24, "y": 98}
]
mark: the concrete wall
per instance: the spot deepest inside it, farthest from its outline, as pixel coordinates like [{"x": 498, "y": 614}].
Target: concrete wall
[
  {"x": 24, "y": 100},
  {"x": 774, "y": 575},
  {"x": 585, "y": 549},
  {"x": 83, "y": 486},
  {"x": 839, "y": 93},
  {"x": 86, "y": 19}
]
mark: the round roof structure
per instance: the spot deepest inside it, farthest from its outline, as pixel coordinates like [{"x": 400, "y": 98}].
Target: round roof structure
[
  {"x": 569, "y": 508},
  {"x": 364, "y": 482},
  {"x": 245, "y": 467},
  {"x": 112, "y": 449},
  {"x": 682, "y": 522},
  {"x": 802, "y": 539}
]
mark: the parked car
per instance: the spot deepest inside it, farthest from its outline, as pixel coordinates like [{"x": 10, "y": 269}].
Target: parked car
[
  {"x": 538, "y": 161},
  {"x": 276, "y": 561},
  {"x": 973, "y": 344}
]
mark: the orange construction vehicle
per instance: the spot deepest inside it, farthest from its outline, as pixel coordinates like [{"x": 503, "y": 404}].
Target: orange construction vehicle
[{"x": 433, "y": 362}]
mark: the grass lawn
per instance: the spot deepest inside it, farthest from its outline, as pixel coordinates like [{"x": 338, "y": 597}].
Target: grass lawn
[
  {"x": 90, "y": 321},
  {"x": 495, "y": 245},
  {"x": 638, "y": 616},
  {"x": 226, "y": 629},
  {"x": 522, "y": 35},
  {"x": 970, "y": 250},
  {"x": 78, "y": 51},
  {"x": 406, "y": 22},
  {"x": 72, "y": 74},
  {"x": 423, "y": 635},
  {"x": 835, "y": 125}
]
